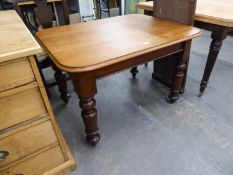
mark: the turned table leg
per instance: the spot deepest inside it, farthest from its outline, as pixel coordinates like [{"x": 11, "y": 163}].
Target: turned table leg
[
  {"x": 180, "y": 73},
  {"x": 61, "y": 80},
  {"x": 85, "y": 87},
  {"x": 134, "y": 71},
  {"x": 218, "y": 36}
]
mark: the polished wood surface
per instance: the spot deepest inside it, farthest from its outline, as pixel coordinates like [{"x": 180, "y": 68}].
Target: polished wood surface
[
  {"x": 93, "y": 45},
  {"x": 15, "y": 41},
  {"x": 93, "y": 50},
  {"x": 219, "y": 12}
]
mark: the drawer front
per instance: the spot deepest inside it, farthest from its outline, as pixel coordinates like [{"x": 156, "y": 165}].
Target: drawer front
[
  {"x": 27, "y": 141},
  {"x": 21, "y": 106},
  {"x": 38, "y": 164},
  {"x": 15, "y": 74}
]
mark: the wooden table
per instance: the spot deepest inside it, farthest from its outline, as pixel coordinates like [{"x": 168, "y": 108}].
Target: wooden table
[
  {"x": 215, "y": 16},
  {"x": 89, "y": 51}
]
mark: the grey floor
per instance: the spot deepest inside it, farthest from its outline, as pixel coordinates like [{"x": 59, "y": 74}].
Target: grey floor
[{"x": 141, "y": 134}]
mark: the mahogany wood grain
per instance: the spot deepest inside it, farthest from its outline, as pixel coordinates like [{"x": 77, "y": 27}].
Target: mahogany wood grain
[
  {"x": 89, "y": 46},
  {"x": 93, "y": 50}
]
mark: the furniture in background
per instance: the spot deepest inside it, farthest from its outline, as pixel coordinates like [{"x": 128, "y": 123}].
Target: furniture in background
[
  {"x": 105, "y": 6},
  {"x": 215, "y": 16},
  {"x": 166, "y": 9},
  {"x": 44, "y": 18},
  {"x": 31, "y": 142},
  {"x": 131, "y": 40},
  {"x": 6, "y": 4}
]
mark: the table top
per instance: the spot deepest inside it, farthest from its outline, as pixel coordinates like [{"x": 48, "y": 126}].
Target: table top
[
  {"x": 219, "y": 12},
  {"x": 15, "y": 39},
  {"x": 89, "y": 46}
]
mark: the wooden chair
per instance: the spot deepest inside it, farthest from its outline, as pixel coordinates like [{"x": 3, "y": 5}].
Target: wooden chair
[
  {"x": 5, "y": 5},
  {"x": 181, "y": 11},
  {"x": 43, "y": 18}
]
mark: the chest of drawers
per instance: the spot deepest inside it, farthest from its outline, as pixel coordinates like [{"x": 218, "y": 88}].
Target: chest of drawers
[{"x": 31, "y": 142}]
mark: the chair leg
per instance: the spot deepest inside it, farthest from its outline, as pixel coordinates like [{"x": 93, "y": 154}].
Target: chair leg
[
  {"x": 134, "y": 71},
  {"x": 60, "y": 78}
]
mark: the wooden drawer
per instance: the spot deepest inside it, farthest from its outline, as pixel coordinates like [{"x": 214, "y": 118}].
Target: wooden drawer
[
  {"x": 27, "y": 141},
  {"x": 14, "y": 74},
  {"x": 20, "y": 104},
  {"x": 38, "y": 164}
]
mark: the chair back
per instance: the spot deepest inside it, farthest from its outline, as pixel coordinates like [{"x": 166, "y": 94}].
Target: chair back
[
  {"x": 181, "y": 11},
  {"x": 43, "y": 14}
]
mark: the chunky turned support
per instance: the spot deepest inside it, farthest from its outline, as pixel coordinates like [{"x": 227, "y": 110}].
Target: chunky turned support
[
  {"x": 218, "y": 36},
  {"x": 89, "y": 116},
  {"x": 134, "y": 71},
  {"x": 62, "y": 84},
  {"x": 180, "y": 72},
  {"x": 85, "y": 87},
  {"x": 177, "y": 80}
]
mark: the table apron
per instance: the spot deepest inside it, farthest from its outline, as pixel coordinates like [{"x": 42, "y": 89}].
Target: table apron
[
  {"x": 138, "y": 60},
  {"x": 211, "y": 27}
]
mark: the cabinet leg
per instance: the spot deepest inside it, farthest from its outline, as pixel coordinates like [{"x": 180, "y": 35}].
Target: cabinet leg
[{"x": 218, "y": 36}]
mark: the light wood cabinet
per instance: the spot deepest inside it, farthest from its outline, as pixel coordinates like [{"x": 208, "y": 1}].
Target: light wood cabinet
[{"x": 31, "y": 142}]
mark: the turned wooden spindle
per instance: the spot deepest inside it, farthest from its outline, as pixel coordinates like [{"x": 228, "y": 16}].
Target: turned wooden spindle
[
  {"x": 85, "y": 87},
  {"x": 218, "y": 36},
  {"x": 181, "y": 11}
]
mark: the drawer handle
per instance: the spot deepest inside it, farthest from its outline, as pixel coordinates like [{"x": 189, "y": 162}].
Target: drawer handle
[{"x": 3, "y": 154}]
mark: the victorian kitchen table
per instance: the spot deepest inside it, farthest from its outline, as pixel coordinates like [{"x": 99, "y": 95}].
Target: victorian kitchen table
[
  {"x": 213, "y": 15},
  {"x": 89, "y": 51}
]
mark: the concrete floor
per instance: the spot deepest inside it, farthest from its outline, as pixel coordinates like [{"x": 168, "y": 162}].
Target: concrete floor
[{"x": 144, "y": 135}]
